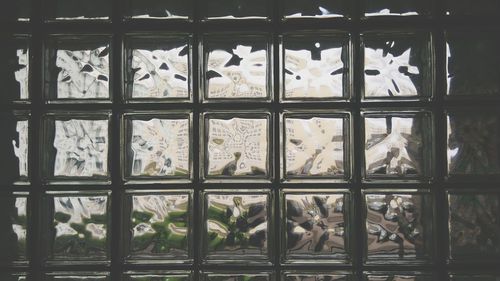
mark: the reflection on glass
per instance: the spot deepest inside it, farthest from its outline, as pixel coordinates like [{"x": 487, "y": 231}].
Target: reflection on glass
[
  {"x": 157, "y": 277},
  {"x": 473, "y": 143},
  {"x": 77, "y": 277},
  {"x": 82, "y": 148},
  {"x": 15, "y": 224},
  {"x": 159, "y": 226},
  {"x": 395, "y": 7},
  {"x": 237, "y": 225},
  {"x": 21, "y": 73},
  {"x": 315, "y": 225},
  {"x": 160, "y": 147},
  {"x": 474, "y": 225},
  {"x": 316, "y": 277},
  {"x": 394, "y": 226},
  {"x": 80, "y": 228},
  {"x": 237, "y": 277},
  {"x": 20, "y": 146},
  {"x": 159, "y": 72},
  {"x": 394, "y": 146},
  {"x": 398, "y": 278},
  {"x": 314, "y": 146},
  {"x": 83, "y": 74},
  {"x": 237, "y": 147},
  {"x": 236, "y": 9},
  {"x": 161, "y": 9},
  {"x": 315, "y": 8}
]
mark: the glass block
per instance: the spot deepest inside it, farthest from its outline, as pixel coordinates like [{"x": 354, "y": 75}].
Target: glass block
[
  {"x": 315, "y": 146},
  {"x": 15, "y": 69},
  {"x": 13, "y": 276},
  {"x": 316, "y": 8},
  {"x": 158, "y": 147},
  {"x": 474, "y": 225},
  {"x": 316, "y": 67},
  {"x": 472, "y": 63},
  {"x": 474, "y": 277},
  {"x": 237, "y": 67},
  {"x": 160, "y": 9},
  {"x": 236, "y": 9},
  {"x": 234, "y": 276},
  {"x": 157, "y": 276},
  {"x": 237, "y": 225},
  {"x": 77, "y": 146},
  {"x": 473, "y": 143},
  {"x": 396, "y": 8},
  {"x": 14, "y": 221},
  {"x": 15, "y": 147},
  {"x": 78, "y": 10},
  {"x": 472, "y": 8},
  {"x": 77, "y": 276},
  {"x": 158, "y": 67},
  {"x": 237, "y": 147},
  {"x": 78, "y": 230},
  {"x": 315, "y": 276},
  {"x": 77, "y": 68},
  {"x": 397, "y": 145},
  {"x": 397, "y": 65},
  {"x": 398, "y": 277},
  {"x": 316, "y": 225},
  {"x": 159, "y": 226},
  {"x": 398, "y": 227}
]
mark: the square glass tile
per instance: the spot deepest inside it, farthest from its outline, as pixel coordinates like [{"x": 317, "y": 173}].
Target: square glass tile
[
  {"x": 237, "y": 147},
  {"x": 476, "y": 8},
  {"x": 396, "y": 8},
  {"x": 15, "y": 147},
  {"x": 397, "y": 65},
  {"x": 315, "y": 226},
  {"x": 158, "y": 68},
  {"x": 398, "y": 227},
  {"x": 474, "y": 225},
  {"x": 14, "y": 217},
  {"x": 233, "y": 276},
  {"x": 398, "y": 277},
  {"x": 78, "y": 10},
  {"x": 473, "y": 143},
  {"x": 159, "y": 226},
  {"x": 315, "y": 276},
  {"x": 76, "y": 276},
  {"x": 472, "y": 63},
  {"x": 158, "y": 146},
  {"x": 79, "y": 226},
  {"x": 77, "y": 68},
  {"x": 15, "y": 69},
  {"x": 316, "y": 8},
  {"x": 397, "y": 145},
  {"x": 315, "y": 147},
  {"x": 237, "y": 226},
  {"x": 237, "y": 67},
  {"x": 316, "y": 67},
  {"x": 160, "y": 9},
  {"x": 236, "y": 9},
  {"x": 157, "y": 276}
]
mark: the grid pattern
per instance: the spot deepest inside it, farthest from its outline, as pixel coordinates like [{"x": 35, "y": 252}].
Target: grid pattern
[{"x": 250, "y": 140}]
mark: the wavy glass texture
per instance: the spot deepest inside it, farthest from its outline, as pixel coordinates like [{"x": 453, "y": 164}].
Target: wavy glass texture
[
  {"x": 22, "y": 71},
  {"x": 15, "y": 219},
  {"x": 159, "y": 226},
  {"x": 396, "y": 7},
  {"x": 398, "y": 277},
  {"x": 315, "y": 67},
  {"x": 80, "y": 228},
  {"x": 20, "y": 146},
  {"x": 396, "y": 65},
  {"x": 15, "y": 69},
  {"x": 237, "y": 277},
  {"x": 473, "y": 143},
  {"x": 316, "y": 8},
  {"x": 237, "y": 225},
  {"x": 235, "y": 71},
  {"x": 474, "y": 225},
  {"x": 79, "y": 10},
  {"x": 315, "y": 226},
  {"x": 478, "y": 277},
  {"x": 82, "y": 74},
  {"x": 161, "y": 9},
  {"x": 160, "y": 148},
  {"x": 314, "y": 147},
  {"x": 316, "y": 277},
  {"x": 236, "y": 9},
  {"x": 394, "y": 146},
  {"x": 237, "y": 147},
  {"x": 396, "y": 227},
  {"x": 82, "y": 148},
  {"x": 472, "y": 7},
  {"x": 157, "y": 277},
  {"x": 159, "y": 71},
  {"x": 477, "y": 74}
]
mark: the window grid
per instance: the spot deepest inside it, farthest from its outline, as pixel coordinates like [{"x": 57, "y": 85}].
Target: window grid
[{"x": 39, "y": 29}]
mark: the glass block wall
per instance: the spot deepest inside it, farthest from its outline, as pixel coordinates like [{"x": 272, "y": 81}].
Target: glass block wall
[{"x": 238, "y": 140}]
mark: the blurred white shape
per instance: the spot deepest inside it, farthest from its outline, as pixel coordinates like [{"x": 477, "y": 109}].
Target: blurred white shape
[
  {"x": 22, "y": 74},
  {"x": 21, "y": 147}
]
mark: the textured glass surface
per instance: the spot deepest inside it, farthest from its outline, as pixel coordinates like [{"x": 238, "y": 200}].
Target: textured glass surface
[
  {"x": 396, "y": 65},
  {"x": 81, "y": 148},
  {"x": 236, "y": 277},
  {"x": 236, "y": 9},
  {"x": 161, "y": 9},
  {"x": 394, "y": 146},
  {"x": 14, "y": 220},
  {"x": 315, "y": 67},
  {"x": 237, "y": 147},
  {"x": 398, "y": 277},
  {"x": 315, "y": 225},
  {"x": 314, "y": 146},
  {"x": 236, "y": 70},
  {"x": 158, "y": 68},
  {"x": 79, "y": 228},
  {"x": 78, "y": 10},
  {"x": 76, "y": 276},
  {"x": 395, "y": 8},
  {"x": 315, "y": 8},
  {"x": 474, "y": 143},
  {"x": 396, "y": 226},
  {"x": 20, "y": 146},
  {"x": 15, "y": 69},
  {"x": 477, "y": 277},
  {"x": 237, "y": 225},
  {"x": 157, "y": 277},
  {"x": 474, "y": 225},
  {"x": 473, "y": 7},
  {"x": 159, "y": 148},
  {"x": 159, "y": 226},
  {"x": 315, "y": 277},
  {"x": 477, "y": 74}
]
